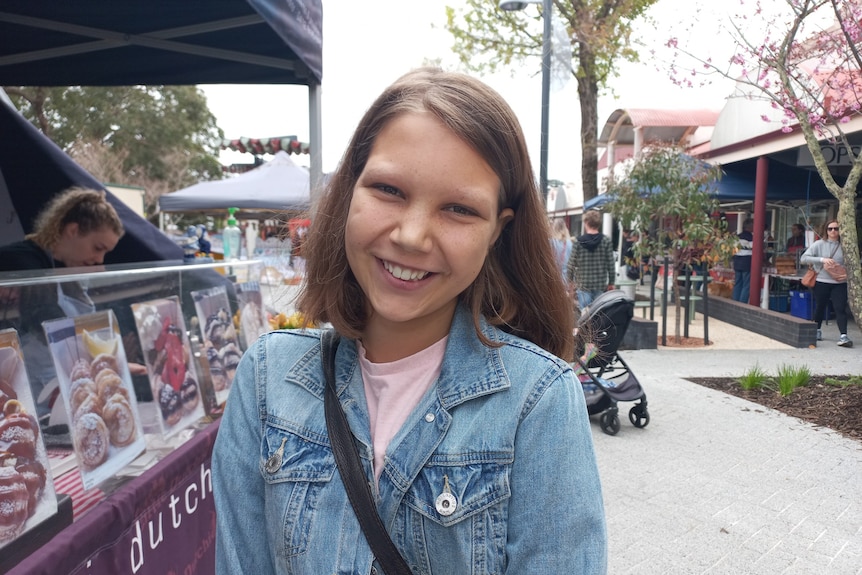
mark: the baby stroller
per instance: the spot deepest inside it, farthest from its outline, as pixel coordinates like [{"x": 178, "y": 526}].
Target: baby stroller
[{"x": 604, "y": 375}]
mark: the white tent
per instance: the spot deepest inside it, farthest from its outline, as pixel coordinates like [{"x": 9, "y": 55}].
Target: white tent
[{"x": 274, "y": 186}]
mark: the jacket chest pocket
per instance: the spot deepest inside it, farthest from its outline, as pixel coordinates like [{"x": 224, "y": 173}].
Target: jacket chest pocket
[
  {"x": 296, "y": 469},
  {"x": 447, "y": 494}
]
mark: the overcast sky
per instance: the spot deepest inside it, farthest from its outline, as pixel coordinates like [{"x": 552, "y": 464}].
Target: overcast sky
[{"x": 367, "y": 45}]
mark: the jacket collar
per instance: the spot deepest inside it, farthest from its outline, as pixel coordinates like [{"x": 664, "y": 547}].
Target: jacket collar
[{"x": 470, "y": 369}]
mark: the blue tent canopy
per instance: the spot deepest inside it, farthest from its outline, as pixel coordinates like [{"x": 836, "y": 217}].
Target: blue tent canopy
[{"x": 785, "y": 184}]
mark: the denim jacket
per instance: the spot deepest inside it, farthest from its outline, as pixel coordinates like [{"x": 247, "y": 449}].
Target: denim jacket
[{"x": 504, "y": 430}]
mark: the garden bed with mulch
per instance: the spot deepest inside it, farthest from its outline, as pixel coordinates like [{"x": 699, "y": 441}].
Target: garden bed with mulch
[{"x": 828, "y": 405}]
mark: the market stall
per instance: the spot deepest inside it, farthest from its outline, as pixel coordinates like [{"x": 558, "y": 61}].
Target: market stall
[{"x": 105, "y": 43}]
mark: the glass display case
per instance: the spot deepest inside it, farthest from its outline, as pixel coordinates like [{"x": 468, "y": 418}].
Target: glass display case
[{"x": 142, "y": 354}]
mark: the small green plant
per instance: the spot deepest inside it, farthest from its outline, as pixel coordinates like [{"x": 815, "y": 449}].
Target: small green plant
[
  {"x": 847, "y": 382},
  {"x": 754, "y": 378},
  {"x": 790, "y": 377}
]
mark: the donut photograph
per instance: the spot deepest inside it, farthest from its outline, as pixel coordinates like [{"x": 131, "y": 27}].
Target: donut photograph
[
  {"x": 26, "y": 488},
  {"x": 106, "y": 429},
  {"x": 220, "y": 339},
  {"x": 170, "y": 366}
]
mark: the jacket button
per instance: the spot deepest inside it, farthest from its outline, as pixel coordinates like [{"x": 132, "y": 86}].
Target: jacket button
[{"x": 429, "y": 417}]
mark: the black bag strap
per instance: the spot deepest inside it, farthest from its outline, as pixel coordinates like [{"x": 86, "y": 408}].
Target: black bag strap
[{"x": 350, "y": 469}]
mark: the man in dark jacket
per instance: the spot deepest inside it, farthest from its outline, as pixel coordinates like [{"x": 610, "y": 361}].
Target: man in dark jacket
[
  {"x": 742, "y": 262},
  {"x": 591, "y": 266}
]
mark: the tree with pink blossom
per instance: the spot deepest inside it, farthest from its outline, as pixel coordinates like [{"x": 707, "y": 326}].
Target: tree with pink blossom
[{"x": 806, "y": 63}]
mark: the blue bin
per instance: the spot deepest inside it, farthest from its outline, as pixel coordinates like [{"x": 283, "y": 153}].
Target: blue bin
[
  {"x": 779, "y": 302},
  {"x": 801, "y": 304}
]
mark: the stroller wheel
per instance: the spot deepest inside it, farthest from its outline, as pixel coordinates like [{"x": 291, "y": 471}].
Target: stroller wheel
[
  {"x": 610, "y": 423},
  {"x": 639, "y": 416}
]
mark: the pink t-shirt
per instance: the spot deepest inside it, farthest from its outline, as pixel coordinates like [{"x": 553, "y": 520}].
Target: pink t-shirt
[{"x": 394, "y": 389}]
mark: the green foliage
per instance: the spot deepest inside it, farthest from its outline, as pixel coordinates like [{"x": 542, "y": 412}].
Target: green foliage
[
  {"x": 155, "y": 134},
  {"x": 852, "y": 380},
  {"x": 754, "y": 378},
  {"x": 790, "y": 377},
  {"x": 487, "y": 38},
  {"x": 666, "y": 197}
]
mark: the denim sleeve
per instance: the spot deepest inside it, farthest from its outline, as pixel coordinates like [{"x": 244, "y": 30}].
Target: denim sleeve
[
  {"x": 241, "y": 539},
  {"x": 557, "y": 519}
]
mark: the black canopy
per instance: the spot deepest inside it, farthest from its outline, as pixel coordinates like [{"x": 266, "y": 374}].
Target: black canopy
[{"x": 131, "y": 42}]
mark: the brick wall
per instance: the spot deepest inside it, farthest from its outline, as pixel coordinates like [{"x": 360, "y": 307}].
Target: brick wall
[{"x": 779, "y": 326}]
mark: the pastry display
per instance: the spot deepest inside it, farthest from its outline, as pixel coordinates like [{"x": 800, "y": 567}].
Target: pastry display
[
  {"x": 219, "y": 329},
  {"x": 169, "y": 403},
  {"x": 169, "y": 361},
  {"x": 120, "y": 420},
  {"x": 14, "y": 503},
  {"x": 91, "y": 440},
  {"x": 99, "y": 405},
  {"x": 220, "y": 343},
  {"x": 23, "y": 474},
  {"x": 217, "y": 372}
]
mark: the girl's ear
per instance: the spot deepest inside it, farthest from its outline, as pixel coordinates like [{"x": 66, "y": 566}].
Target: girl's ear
[
  {"x": 503, "y": 219},
  {"x": 70, "y": 230}
]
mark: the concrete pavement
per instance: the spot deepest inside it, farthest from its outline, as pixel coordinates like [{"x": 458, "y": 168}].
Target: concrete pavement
[{"x": 722, "y": 486}]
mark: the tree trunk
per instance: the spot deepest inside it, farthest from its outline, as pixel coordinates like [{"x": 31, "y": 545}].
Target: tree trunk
[
  {"x": 588, "y": 94},
  {"x": 850, "y": 245}
]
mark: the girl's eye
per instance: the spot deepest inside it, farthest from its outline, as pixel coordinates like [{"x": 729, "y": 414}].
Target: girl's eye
[
  {"x": 387, "y": 189},
  {"x": 461, "y": 210}
]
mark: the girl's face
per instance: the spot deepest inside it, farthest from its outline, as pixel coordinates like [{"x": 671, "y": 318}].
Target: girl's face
[
  {"x": 423, "y": 216},
  {"x": 832, "y": 230},
  {"x": 76, "y": 249}
]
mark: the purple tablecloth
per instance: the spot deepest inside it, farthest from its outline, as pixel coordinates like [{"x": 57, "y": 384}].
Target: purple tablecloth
[{"x": 160, "y": 523}]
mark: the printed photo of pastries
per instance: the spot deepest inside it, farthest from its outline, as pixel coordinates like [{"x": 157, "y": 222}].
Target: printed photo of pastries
[
  {"x": 26, "y": 488},
  {"x": 220, "y": 341},
  {"x": 96, "y": 386},
  {"x": 170, "y": 366}
]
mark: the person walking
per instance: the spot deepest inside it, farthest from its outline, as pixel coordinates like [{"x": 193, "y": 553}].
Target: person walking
[
  {"x": 591, "y": 267},
  {"x": 827, "y": 257}
]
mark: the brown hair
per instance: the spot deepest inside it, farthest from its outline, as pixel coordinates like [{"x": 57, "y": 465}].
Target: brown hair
[
  {"x": 518, "y": 287},
  {"x": 824, "y": 233},
  {"x": 87, "y": 208},
  {"x": 592, "y": 218}
]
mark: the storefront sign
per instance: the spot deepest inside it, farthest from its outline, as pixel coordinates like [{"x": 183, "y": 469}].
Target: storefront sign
[{"x": 834, "y": 154}]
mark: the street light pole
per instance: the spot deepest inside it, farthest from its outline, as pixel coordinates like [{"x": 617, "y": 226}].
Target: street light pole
[{"x": 510, "y": 5}]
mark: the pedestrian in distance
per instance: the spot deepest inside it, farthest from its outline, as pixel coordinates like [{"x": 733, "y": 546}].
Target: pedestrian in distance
[
  {"x": 561, "y": 242},
  {"x": 742, "y": 262},
  {"x": 429, "y": 256},
  {"x": 827, "y": 257},
  {"x": 591, "y": 267}
]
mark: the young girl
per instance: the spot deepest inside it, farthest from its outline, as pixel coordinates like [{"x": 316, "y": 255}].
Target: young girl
[{"x": 429, "y": 254}]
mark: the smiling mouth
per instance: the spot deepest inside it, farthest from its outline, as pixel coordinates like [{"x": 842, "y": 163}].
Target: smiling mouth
[{"x": 404, "y": 274}]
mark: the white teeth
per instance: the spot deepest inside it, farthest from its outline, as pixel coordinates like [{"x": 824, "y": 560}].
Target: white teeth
[{"x": 404, "y": 274}]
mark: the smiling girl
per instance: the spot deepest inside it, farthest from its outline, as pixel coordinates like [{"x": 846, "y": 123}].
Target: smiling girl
[{"x": 429, "y": 255}]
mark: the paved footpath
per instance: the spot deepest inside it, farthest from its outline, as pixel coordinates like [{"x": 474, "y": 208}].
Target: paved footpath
[{"x": 722, "y": 486}]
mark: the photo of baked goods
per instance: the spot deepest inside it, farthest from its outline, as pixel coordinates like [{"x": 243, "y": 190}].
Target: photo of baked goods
[
  {"x": 170, "y": 366},
  {"x": 220, "y": 340},
  {"x": 250, "y": 319},
  {"x": 97, "y": 390},
  {"x": 26, "y": 489}
]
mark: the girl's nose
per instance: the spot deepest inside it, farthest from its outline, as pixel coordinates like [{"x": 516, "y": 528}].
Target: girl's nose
[{"x": 413, "y": 231}]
